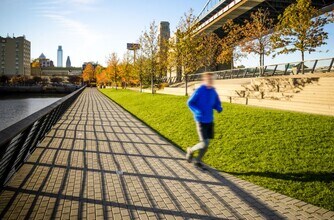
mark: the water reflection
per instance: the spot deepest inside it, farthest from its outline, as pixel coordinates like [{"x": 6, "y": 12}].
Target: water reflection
[{"x": 14, "y": 108}]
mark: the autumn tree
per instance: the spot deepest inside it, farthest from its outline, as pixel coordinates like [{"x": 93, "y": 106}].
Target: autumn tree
[
  {"x": 35, "y": 63},
  {"x": 300, "y": 28},
  {"x": 139, "y": 67},
  {"x": 113, "y": 64},
  {"x": 88, "y": 74},
  {"x": 101, "y": 77},
  {"x": 256, "y": 34},
  {"x": 164, "y": 47},
  {"x": 149, "y": 47},
  {"x": 173, "y": 57},
  {"x": 209, "y": 50},
  {"x": 187, "y": 44},
  {"x": 74, "y": 79},
  {"x": 100, "y": 74},
  {"x": 233, "y": 34},
  {"x": 126, "y": 69}
]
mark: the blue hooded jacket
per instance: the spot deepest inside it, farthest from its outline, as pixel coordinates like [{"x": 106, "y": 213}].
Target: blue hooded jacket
[{"x": 203, "y": 102}]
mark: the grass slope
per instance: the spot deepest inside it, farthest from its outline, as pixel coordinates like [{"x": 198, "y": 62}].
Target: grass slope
[{"x": 291, "y": 153}]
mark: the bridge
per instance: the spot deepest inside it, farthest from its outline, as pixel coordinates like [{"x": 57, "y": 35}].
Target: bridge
[{"x": 216, "y": 12}]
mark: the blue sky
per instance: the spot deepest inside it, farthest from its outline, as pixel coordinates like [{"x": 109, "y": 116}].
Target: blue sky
[{"x": 89, "y": 30}]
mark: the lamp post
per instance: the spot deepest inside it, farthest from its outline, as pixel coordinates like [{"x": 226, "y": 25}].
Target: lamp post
[{"x": 134, "y": 47}]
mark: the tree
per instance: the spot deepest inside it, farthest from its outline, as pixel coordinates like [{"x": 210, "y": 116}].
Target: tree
[
  {"x": 45, "y": 81},
  {"x": 256, "y": 34},
  {"x": 187, "y": 45},
  {"x": 35, "y": 63},
  {"x": 149, "y": 46},
  {"x": 300, "y": 28},
  {"x": 230, "y": 42},
  {"x": 164, "y": 47},
  {"x": 101, "y": 77},
  {"x": 113, "y": 65},
  {"x": 125, "y": 69},
  {"x": 210, "y": 49},
  {"x": 74, "y": 79},
  {"x": 139, "y": 67},
  {"x": 172, "y": 56},
  {"x": 4, "y": 79},
  {"x": 56, "y": 80},
  {"x": 37, "y": 79},
  {"x": 88, "y": 74}
]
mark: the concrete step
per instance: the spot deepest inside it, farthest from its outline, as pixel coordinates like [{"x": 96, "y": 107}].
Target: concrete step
[{"x": 285, "y": 105}]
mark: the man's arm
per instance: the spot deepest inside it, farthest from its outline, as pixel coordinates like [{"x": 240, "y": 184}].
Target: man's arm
[
  {"x": 192, "y": 102},
  {"x": 218, "y": 105}
]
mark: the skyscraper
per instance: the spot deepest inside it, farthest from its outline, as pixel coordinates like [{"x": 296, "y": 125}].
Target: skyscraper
[
  {"x": 164, "y": 35},
  {"x": 60, "y": 57},
  {"x": 164, "y": 32},
  {"x": 68, "y": 62},
  {"x": 14, "y": 56}
]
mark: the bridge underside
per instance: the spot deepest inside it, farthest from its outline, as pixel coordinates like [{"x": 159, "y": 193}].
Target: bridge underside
[{"x": 239, "y": 10}]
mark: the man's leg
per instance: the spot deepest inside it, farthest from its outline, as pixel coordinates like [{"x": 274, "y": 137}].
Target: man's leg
[
  {"x": 198, "y": 146},
  {"x": 203, "y": 150}
]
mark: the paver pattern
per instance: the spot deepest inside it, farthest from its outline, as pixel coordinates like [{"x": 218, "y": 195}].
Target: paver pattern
[{"x": 100, "y": 162}]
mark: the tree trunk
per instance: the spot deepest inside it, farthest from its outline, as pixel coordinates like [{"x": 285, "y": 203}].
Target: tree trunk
[
  {"x": 186, "y": 78},
  {"x": 152, "y": 83},
  {"x": 115, "y": 81},
  {"x": 303, "y": 66}
]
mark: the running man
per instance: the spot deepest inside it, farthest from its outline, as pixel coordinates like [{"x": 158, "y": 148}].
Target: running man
[{"x": 202, "y": 103}]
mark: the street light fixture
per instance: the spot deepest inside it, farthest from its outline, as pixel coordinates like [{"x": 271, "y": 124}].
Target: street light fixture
[{"x": 134, "y": 47}]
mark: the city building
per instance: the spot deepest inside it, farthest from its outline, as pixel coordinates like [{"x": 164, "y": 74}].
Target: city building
[
  {"x": 91, "y": 62},
  {"x": 44, "y": 62},
  {"x": 60, "y": 56},
  {"x": 164, "y": 32},
  {"x": 164, "y": 36},
  {"x": 15, "y": 56},
  {"x": 68, "y": 62},
  {"x": 51, "y": 72}
]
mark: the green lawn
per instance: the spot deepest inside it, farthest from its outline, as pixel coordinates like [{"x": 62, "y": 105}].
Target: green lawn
[{"x": 291, "y": 153}]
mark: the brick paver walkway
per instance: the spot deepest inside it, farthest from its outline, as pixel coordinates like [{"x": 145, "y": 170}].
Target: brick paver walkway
[{"x": 101, "y": 162}]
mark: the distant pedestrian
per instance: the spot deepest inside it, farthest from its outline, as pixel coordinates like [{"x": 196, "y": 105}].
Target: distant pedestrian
[{"x": 202, "y": 103}]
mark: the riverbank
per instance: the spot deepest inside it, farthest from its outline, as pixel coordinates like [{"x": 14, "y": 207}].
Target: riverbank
[
  {"x": 37, "y": 89},
  {"x": 17, "y": 106}
]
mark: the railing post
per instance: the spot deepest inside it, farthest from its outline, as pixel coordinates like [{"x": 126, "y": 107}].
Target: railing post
[
  {"x": 299, "y": 67},
  {"x": 286, "y": 68},
  {"x": 36, "y": 135},
  {"x": 275, "y": 70},
  {"x": 264, "y": 70},
  {"x": 10, "y": 165},
  {"x": 245, "y": 74},
  {"x": 330, "y": 66},
  {"x": 254, "y": 71},
  {"x": 314, "y": 66}
]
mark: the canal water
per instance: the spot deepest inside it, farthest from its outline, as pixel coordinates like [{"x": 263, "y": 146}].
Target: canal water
[{"x": 14, "y": 108}]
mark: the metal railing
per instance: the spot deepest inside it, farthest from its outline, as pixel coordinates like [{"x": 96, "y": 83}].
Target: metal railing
[
  {"x": 210, "y": 4},
  {"x": 18, "y": 141},
  {"x": 293, "y": 68},
  {"x": 205, "y": 12}
]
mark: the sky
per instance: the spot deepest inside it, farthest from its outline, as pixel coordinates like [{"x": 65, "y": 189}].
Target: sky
[{"x": 90, "y": 30}]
